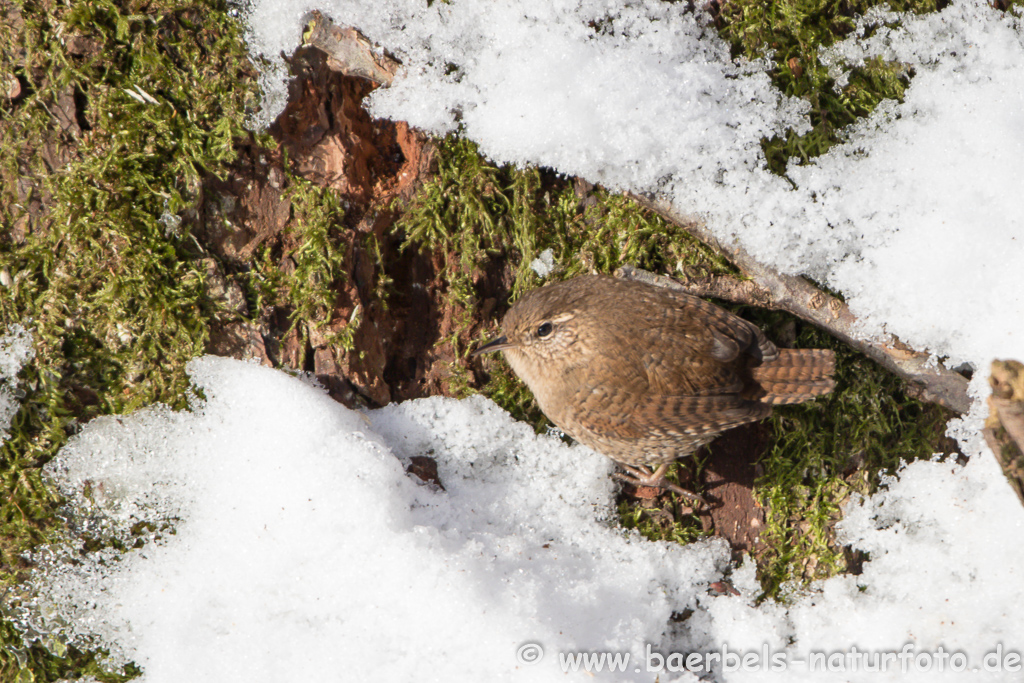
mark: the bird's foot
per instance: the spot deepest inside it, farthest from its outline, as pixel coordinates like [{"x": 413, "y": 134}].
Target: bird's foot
[{"x": 641, "y": 476}]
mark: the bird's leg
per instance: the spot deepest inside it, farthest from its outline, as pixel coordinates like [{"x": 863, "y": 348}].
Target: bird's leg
[{"x": 641, "y": 476}]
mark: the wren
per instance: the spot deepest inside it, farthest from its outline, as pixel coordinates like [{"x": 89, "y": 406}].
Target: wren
[{"x": 646, "y": 374}]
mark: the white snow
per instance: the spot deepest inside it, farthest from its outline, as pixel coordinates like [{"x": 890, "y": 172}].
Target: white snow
[
  {"x": 15, "y": 351},
  {"x": 943, "y": 574},
  {"x": 544, "y": 264},
  {"x": 303, "y": 551}
]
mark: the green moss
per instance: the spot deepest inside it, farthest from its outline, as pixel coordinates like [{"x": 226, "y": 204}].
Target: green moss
[
  {"x": 149, "y": 99},
  {"x": 616, "y": 231},
  {"x": 35, "y": 664},
  {"x": 665, "y": 522},
  {"x": 473, "y": 210},
  {"x": 316, "y": 258},
  {"x": 669, "y": 518},
  {"x": 824, "y": 450},
  {"x": 469, "y": 211},
  {"x": 791, "y": 33}
]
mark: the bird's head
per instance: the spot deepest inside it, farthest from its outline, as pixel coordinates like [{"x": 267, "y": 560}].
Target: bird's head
[{"x": 541, "y": 333}]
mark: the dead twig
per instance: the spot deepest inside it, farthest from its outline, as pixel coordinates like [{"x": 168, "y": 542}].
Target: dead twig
[{"x": 927, "y": 379}]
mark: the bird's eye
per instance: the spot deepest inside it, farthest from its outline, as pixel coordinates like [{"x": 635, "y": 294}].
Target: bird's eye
[{"x": 544, "y": 329}]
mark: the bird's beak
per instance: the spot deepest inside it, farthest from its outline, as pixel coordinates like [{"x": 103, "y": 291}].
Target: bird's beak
[{"x": 498, "y": 344}]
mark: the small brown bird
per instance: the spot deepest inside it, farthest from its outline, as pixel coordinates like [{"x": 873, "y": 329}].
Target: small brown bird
[{"x": 645, "y": 374}]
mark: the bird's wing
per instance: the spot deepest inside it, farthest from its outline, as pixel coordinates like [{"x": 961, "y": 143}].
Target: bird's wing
[
  {"x": 665, "y": 417},
  {"x": 695, "y": 348},
  {"x": 695, "y": 415}
]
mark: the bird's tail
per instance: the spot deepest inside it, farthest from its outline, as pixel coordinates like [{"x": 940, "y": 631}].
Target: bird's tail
[{"x": 795, "y": 376}]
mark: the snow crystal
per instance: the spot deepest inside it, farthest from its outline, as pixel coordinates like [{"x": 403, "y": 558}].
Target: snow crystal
[
  {"x": 544, "y": 264},
  {"x": 15, "y": 351}
]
